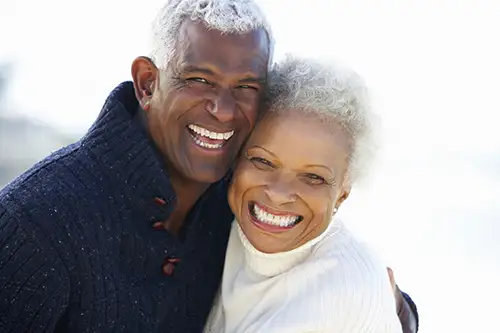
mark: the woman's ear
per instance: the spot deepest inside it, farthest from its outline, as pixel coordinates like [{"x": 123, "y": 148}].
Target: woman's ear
[{"x": 344, "y": 194}]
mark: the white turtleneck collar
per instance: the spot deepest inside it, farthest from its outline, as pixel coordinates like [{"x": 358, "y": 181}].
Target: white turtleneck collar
[
  {"x": 329, "y": 284},
  {"x": 272, "y": 264}
]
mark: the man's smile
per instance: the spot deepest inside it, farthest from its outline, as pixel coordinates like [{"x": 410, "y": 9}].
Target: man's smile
[{"x": 208, "y": 139}]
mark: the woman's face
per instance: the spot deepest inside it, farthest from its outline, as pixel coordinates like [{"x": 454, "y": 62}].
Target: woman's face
[{"x": 288, "y": 181}]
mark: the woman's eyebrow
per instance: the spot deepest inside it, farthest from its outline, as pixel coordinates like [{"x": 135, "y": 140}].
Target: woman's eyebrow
[
  {"x": 319, "y": 166},
  {"x": 267, "y": 151}
]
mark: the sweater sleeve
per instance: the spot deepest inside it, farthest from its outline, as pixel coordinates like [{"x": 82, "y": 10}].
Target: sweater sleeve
[
  {"x": 379, "y": 316},
  {"x": 367, "y": 294},
  {"x": 408, "y": 314},
  {"x": 34, "y": 284}
]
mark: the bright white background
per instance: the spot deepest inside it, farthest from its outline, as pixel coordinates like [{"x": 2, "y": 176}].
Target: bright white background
[{"x": 433, "y": 67}]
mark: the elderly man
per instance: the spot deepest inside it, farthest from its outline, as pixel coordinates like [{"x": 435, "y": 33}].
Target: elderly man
[{"x": 126, "y": 229}]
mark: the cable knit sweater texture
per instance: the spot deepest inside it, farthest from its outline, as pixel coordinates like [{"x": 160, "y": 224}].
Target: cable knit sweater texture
[
  {"x": 78, "y": 252},
  {"x": 332, "y": 284}
]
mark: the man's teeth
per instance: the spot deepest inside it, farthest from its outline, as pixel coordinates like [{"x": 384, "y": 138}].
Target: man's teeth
[
  {"x": 208, "y": 145},
  {"x": 209, "y": 134},
  {"x": 277, "y": 220}
]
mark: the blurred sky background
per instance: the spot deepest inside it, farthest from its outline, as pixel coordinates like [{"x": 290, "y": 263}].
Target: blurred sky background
[{"x": 433, "y": 68}]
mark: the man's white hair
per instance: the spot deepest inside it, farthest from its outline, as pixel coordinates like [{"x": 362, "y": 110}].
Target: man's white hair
[
  {"x": 332, "y": 93},
  {"x": 226, "y": 16}
]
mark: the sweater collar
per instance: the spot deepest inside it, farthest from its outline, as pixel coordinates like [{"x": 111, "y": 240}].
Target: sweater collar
[
  {"x": 119, "y": 142},
  {"x": 272, "y": 264}
]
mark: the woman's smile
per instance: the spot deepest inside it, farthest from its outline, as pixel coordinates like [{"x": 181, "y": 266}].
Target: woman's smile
[
  {"x": 285, "y": 187},
  {"x": 271, "y": 220}
]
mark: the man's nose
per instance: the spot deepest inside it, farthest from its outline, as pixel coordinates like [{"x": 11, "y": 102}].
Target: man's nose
[
  {"x": 281, "y": 192},
  {"x": 223, "y": 106}
]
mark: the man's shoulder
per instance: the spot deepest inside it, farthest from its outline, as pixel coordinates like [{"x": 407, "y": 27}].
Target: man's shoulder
[
  {"x": 49, "y": 183},
  {"x": 45, "y": 203}
]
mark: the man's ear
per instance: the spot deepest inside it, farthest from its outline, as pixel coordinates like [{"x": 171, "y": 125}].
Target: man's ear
[{"x": 144, "y": 75}]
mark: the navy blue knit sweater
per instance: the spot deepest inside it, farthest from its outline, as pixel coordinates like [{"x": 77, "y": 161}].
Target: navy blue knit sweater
[{"x": 78, "y": 252}]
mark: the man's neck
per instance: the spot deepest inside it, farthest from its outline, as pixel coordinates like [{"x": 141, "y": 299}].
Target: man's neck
[
  {"x": 188, "y": 193},
  {"x": 186, "y": 190}
]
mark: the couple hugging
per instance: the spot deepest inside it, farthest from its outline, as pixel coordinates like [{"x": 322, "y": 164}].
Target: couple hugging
[{"x": 203, "y": 198}]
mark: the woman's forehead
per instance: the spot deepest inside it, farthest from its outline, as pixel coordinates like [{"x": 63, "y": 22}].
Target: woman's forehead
[
  {"x": 280, "y": 125},
  {"x": 301, "y": 136}
]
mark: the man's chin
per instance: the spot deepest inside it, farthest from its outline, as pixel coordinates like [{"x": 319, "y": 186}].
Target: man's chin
[
  {"x": 204, "y": 166},
  {"x": 206, "y": 176},
  {"x": 209, "y": 179}
]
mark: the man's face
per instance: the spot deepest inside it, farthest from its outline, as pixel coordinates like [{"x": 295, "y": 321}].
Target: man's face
[{"x": 203, "y": 107}]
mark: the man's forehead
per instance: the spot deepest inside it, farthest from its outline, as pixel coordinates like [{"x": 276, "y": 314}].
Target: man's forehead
[
  {"x": 242, "y": 52},
  {"x": 199, "y": 32}
]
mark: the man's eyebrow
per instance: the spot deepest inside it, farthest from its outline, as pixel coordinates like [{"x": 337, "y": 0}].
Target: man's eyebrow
[
  {"x": 252, "y": 79},
  {"x": 196, "y": 69},
  {"x": 249, "y": 78}
]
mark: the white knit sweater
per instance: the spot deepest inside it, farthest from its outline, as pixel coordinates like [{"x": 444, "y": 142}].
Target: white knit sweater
[{"x": 330, "y": 284}]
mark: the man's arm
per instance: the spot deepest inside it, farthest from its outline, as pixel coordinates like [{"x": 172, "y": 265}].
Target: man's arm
[
  {"x": 407, "y": 312},
  {"x": 34, "y": 284}
]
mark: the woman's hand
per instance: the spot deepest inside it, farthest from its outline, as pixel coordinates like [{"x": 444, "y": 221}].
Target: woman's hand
[{"x": 395, "y": 289}]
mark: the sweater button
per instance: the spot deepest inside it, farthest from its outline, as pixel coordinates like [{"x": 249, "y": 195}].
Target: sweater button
[
  {"x": 160, "y": 201},
  {"x": 168, "y": 265},
  {"x": 158, "y": 226}
]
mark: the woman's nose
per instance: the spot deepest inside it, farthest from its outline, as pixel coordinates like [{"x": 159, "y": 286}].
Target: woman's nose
[{"x": 280, "y": 193}]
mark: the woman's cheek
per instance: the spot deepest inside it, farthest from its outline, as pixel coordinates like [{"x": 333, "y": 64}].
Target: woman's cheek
[
  {"x": 248, "y": 176},
  {"x": 320, "y": 201},
  {"x": 241, "y": 183}
]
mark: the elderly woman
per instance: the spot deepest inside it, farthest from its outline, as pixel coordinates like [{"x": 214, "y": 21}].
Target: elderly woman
[{"x": 291, "y": 266}]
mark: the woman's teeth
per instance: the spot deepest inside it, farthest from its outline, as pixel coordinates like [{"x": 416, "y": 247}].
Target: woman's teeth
[{"x": 276, "y": 220}]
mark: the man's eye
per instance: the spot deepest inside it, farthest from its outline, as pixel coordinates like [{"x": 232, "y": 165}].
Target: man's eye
[
  {"x": 246, "y": 86},
  {"x": 199, "y": 80}
]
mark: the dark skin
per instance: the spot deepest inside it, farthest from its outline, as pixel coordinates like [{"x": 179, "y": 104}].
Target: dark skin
[
  {"x": 219, "y": 88},
  {"x": 291, "y": 174}
]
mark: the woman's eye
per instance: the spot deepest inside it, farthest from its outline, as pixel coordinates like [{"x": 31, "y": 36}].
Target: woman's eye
[
  {"x": 314, "y": 179},
  {"x": 261, "y": 163}
]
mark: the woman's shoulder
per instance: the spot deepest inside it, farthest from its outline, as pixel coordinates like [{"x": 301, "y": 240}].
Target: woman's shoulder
[
  {"x": 348, "y": 278},
  {"x": 348, "y": 256}
]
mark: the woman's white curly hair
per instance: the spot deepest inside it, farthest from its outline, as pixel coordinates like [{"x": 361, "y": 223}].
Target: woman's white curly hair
[{"x": 332, "y": 93}]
